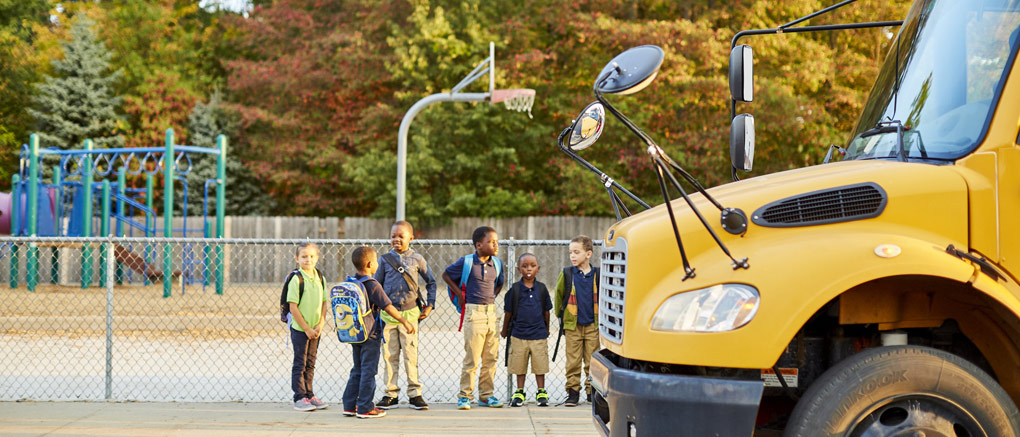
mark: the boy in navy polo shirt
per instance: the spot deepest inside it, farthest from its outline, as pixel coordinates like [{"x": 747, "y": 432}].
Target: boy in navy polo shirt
[
  {"x": 481, "y": 325},
  {"x": 577, "y": 304},
  {"x": 526, "y": 319}
]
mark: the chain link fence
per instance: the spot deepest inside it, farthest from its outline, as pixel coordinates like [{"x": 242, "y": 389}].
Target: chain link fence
[{"x": 157, "y": 320}]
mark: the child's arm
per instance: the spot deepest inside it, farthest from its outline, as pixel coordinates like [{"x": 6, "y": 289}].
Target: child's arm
[
  {"x": 430, "y": 289},
  {"x": 506, "y": 324},
  {"x": 546, "y": 314},
  {"x": 301, "y": 321},
  {"x": 396, "y": 315},
  {"x": 454, "y": 286},
  {"x": 322, "y": 320},
  {"x": 560, "y": 298}
]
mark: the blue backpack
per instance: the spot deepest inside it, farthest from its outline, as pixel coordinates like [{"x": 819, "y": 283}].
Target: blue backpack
[
  {"x": 351, "y": 306},
  {"x": 464, "y": 274}
]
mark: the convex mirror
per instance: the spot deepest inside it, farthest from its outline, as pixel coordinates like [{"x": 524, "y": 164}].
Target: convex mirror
[
  {"x": 587, "y": 127},
  {"x": 742, "y": 142},
  {"x": 742, "y": 73},
  {"x": 630, "y": 71}
]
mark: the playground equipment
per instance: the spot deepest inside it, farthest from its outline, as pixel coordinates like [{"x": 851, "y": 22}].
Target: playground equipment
[
  {"x": 65, "y": 208},
  {"x": 520, "y": 100}
]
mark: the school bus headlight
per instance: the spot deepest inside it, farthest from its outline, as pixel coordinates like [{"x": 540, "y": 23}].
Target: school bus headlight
[{"x": 718, "y": 308}]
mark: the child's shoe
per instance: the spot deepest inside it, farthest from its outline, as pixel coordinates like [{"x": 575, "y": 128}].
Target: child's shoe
[
  {"x": 518, "y": 399},
  {"x": 304, "y": 405},
  {"x": 542, "y": 397},
  {"x": 350, "y": 413},
  {"x": 572, "y": 398},
  {"x": 493, "y": 402},
  {"x": 387, "y": 402},
  {"x": 463, "y": 404},
  {"x": 418, "y": 403},
  {"x": 318, "y": 403},
  {"x": 377, "y": 412}
]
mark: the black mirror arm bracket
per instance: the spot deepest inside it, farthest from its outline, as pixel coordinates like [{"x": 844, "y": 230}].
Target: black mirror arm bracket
[{"x": 602, "y": 176}]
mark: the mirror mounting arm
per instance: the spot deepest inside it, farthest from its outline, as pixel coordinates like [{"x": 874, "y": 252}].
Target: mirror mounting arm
[{"x": 602, "y": 176}]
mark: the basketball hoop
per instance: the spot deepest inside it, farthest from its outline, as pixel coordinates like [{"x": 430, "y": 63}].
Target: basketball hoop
[{"x": 519, "y": 99}]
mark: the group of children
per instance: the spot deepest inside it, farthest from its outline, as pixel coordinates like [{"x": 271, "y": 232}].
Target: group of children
[{"x": 395, "y": 296}]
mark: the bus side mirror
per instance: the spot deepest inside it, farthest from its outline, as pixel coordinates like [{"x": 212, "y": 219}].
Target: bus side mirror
[
  {"x": 742, "y": 142},
  {"x": 741, "y": 73}
]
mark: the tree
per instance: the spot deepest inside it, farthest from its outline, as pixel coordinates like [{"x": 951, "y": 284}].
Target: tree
[
  {"x": 78, "y": 103},
  {"x": 244, "y": 195},
  {"x": 18, "y": 71}
]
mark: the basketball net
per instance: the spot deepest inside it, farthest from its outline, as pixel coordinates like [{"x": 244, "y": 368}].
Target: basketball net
[{"x": 520, "y": 99}]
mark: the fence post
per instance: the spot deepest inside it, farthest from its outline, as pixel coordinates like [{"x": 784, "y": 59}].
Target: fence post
[
  {"x": 109, "y": 318},
  {"x": 511, "y": 255}
]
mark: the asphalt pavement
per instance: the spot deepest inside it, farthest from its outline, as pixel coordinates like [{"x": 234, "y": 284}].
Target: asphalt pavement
[{"x": 32, "y": 418}]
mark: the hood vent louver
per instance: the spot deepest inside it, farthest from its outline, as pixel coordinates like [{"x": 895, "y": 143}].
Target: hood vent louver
[{"x": 831, "y": 205}]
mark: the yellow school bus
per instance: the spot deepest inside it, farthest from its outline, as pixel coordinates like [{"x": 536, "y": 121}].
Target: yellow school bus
[{"x": 875, "y": 294}]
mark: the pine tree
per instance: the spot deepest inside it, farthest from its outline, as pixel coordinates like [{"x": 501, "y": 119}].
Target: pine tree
[
  {"x": 244, "y": 195},
  {"x": 78, "y": 103}
]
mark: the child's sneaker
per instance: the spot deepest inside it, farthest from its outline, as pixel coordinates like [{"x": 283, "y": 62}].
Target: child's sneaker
[
  {"x": 542, "y": 397},
  {"x": 518, "y": 399},
  {"x": 572, "y": 398},
  {"x": 304, "y": 405},
  {"x": 463, "y": 404},
  {"x": 492, "y": 402},
  {"x": 377, "y": 412},
  {"x": 418, "y": 403},
  {"x": 387, "y": 402},
  {"x": 317, "y": 403},
  {"x": 350, "y": 413}
]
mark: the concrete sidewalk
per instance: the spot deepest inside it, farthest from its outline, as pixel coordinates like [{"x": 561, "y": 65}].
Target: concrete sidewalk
[{"x": 268, "y": 419}]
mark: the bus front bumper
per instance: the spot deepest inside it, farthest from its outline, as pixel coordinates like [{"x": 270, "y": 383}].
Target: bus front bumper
[{"x": 631, "y": 403}]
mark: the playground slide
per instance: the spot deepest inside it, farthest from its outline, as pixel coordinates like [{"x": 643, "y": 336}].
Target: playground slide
[{"x": 135, "y": 262}]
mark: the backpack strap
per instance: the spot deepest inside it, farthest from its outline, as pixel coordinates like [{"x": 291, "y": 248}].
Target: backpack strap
[
  {"x": 395, "y": 263},
  {"x": 301, "y": 285},
  {"x": 465, "y": 271}
]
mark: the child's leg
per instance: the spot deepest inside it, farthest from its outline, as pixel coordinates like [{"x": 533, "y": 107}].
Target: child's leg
[
  {"x": 591, "y": 345},
  {"x": 409, "y": 344},
  {"x": 474, "y": 339},
  {"x": 310, "y": 354},
  {"x": 540, "y": 360},
  {"x": 540, "y": 381},
  {"x": 350, "y": 397},
  {"x": 391, "y": 356},
  {"x": 490, "y": 355},
  {"x": 573, "y": 348},
  {"x": 369, "y": 367},
  {"x": 297, "y": 370},
  {"x": 520, "y": 381}
]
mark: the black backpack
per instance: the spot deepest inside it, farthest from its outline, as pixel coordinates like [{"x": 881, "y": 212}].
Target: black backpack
[{"x": 284, "y": 305}]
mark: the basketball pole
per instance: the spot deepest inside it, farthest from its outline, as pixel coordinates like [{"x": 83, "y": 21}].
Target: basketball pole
[{"x": 486, "y": 66}]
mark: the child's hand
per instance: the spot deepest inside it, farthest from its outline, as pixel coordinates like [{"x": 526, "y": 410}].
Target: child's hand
[
  {"x": 313, "y": 334},
  {"x": 425, "y": 313},
  {"x": 408, "y": 326},
  {"x": 502, "y": 332}
]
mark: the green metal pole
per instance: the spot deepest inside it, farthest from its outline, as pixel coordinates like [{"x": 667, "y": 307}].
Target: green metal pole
[
  {"x": 86, "y": 223},
  {"x": 15, "y": 226},
  {"x": 121, "y": 232},
  {"x": 55, "y": 251},
  {"x": 32, "y": 258},
  {"x": 150, "y": 186},
  {"x": 104, "y": 231},
  {"x": 221, "y": 191},
  {"x": 168, "y": 211}
]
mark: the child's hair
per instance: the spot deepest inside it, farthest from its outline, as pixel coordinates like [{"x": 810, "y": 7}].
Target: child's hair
[
  {"x": 479, "y": 234},
  {"x": 297, "y": 252},
  {"x": 404, "y": 223},
  {"x": 585, "y": 241},
  {"x": 360, "y": 257},
  {"x": 524, "y": 255}
]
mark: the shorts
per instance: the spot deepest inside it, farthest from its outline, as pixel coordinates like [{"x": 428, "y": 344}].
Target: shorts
[{"x": 521, "y": 350}]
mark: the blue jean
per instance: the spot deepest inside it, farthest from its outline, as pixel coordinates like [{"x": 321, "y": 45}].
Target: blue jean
[
  {"x": 303, "y": 370},
  {"x": 361, "y": 384}
]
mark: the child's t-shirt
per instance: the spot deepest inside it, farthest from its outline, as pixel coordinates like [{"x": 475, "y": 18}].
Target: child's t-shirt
[
  {"x": 311, "y": 302},
  {"x": 377, "y": 299},
  {"x": 532, "y": 303},
  {"x": 482, "y": 284}
]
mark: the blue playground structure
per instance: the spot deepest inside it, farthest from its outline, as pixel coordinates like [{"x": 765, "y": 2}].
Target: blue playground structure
[{"x": 68, "y": 207}]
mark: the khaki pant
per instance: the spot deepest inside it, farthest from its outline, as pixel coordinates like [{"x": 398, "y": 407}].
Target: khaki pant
[
  {"x": 582, "y": 343},
  {"x": 397, "y": 340},
  {"x": 481, "y": 346}
]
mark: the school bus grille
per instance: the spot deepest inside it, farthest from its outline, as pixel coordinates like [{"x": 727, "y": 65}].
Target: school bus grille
[
  {"x": 832, "y": 205},
  {"x": 612, "y": 285}
]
